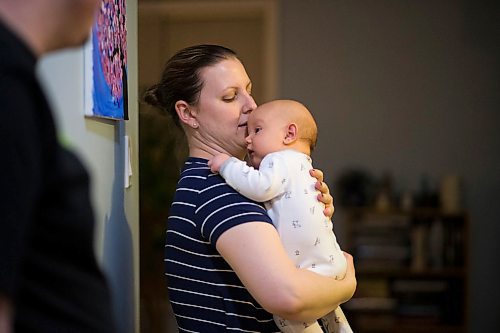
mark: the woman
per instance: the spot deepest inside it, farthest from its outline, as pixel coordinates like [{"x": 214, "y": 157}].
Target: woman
[{"x": 224, "y": 261}]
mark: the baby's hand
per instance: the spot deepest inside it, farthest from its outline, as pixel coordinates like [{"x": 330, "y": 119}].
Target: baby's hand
[{"x": 216, "y": 161}]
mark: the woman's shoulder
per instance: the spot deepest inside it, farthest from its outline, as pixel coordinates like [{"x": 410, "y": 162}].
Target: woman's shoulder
[{"x": 195, "y": 164}]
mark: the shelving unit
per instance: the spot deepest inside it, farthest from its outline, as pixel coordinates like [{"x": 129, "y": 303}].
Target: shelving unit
[{"x": 411, "y": 268}]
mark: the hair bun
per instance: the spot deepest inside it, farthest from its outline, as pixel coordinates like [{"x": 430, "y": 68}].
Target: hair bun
[{"x": 150, "y": 96}]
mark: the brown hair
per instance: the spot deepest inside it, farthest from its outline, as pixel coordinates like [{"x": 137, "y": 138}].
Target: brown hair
[{"x": 180, "y": 78}]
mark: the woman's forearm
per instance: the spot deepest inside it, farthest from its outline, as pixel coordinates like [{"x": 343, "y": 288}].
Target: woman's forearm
[
  {"x": 313, "y": 295},
  {"x": 255, "y": 253}
]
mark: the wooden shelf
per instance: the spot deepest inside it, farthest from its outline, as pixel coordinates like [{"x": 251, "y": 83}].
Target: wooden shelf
[
  {"x": 445, "y": 272},
  {"x": 413, "y": 328},
  {"x": 404, "y": 284}
]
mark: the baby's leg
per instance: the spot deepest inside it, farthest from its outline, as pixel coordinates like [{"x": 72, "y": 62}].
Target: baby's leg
[
  {"x": 336, "y": 322},
  {"x": 287, "y": 326}
]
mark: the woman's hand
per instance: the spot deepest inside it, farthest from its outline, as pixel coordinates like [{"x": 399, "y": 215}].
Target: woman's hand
[
  {"x": 325, "y": 196},
  {"x": 350, "y": 277}
]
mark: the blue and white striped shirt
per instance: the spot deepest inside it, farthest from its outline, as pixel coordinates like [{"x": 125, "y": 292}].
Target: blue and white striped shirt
[{"x": 205, "y": 293}]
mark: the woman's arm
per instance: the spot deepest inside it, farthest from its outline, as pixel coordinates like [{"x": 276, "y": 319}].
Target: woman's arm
[{"x": 255, "y": 253}]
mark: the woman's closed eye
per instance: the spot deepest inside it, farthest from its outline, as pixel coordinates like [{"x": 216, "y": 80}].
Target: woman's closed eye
[{"x": 229, "y": 99}]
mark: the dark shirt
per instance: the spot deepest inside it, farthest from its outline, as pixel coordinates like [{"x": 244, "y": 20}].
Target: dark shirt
[{"x": 48, "y": 268}]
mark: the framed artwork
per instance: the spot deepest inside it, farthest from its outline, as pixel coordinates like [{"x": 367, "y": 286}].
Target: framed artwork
[{"x": 106, "y": 63}]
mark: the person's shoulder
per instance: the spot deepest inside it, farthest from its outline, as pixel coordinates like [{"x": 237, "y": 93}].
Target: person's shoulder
[
  {"x": 288, "y": 155},
  {"x": 293, "y": 161},
  {"x": 196, "y": 166},
  {"x": 22, "y": 101},
  {"x": 16, "y": 85},
  {"x": 196, "y": 175},
  {"x": 293, "y": 152},
  {"x": 16, "y": 60},
  {"x": 281, "y": 154},
  {"x": 194, "y": 170},
  {"x": 18, "y": 82}
]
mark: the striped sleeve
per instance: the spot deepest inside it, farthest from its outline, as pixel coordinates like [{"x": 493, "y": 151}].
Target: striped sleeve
[
  {"x": 205, "y": 293},
  {"x": 222, "y": 208}
]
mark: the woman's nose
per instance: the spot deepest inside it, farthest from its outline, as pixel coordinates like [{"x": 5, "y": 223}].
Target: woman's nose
[{"x": 250, "y": 104}]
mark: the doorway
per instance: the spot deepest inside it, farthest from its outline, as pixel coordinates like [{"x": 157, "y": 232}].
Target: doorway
[{"x": 247, "y": 26}]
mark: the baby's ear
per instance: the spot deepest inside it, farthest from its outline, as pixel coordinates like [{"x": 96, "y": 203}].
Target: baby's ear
[{"x": 291, "y": 134}]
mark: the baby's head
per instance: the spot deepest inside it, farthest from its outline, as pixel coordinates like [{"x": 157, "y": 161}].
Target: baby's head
[{"x": 279, "y": 125}]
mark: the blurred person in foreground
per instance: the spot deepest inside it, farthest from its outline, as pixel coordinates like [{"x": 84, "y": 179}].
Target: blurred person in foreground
[{"x": 50, "y": 280}]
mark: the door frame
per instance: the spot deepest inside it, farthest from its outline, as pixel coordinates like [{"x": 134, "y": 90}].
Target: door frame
[{"x": 266, "y": 10}]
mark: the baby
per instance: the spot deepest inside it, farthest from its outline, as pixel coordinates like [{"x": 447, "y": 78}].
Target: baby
[{"x": 281, "y": 136}]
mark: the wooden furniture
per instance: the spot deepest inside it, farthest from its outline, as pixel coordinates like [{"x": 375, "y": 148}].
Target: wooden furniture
[{"x": 411, "y": 268}]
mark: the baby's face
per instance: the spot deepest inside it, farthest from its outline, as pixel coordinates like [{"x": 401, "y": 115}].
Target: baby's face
[{"x": 266, "y": 133}]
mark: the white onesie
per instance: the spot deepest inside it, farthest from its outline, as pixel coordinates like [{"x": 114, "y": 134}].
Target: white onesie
[{"x": 288, "y": 191}]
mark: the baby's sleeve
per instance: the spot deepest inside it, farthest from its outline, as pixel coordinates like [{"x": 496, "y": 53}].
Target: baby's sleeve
[{"x": 259, "y": 185}]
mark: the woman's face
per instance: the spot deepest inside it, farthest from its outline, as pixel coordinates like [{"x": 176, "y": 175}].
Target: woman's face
[{"x": 223, "y": 107}]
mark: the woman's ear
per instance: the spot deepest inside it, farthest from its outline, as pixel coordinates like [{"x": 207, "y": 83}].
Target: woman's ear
[
  {"x": 291, "y": 134},
  {"x": 186, "y": 114}
]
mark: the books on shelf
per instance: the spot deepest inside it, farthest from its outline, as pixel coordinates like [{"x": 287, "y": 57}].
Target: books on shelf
[
  {"x": 383, "y": 221},
  {"x": 396, "y": 252},
  {"x": 419, "y": 286},
  {"x": 371, "y": 304},
  {"x": 411, "y": 270},
  {"x": 419, "y": 310},
  {"x": 372, "y": 287}
]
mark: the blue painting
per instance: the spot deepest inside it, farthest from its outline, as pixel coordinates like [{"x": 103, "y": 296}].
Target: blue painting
[{"x": 106, "y": 89}]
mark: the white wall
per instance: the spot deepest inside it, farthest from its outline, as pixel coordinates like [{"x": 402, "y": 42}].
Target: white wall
[
  {"x": 101, "y": 146},
  {"x": 410, "y": 87}
]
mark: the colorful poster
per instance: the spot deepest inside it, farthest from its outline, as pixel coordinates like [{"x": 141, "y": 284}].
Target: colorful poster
[{"x": 106, "y": 63}]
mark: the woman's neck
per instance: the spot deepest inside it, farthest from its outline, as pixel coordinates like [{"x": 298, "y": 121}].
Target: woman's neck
[
  {"x": 201, "y": 149},
  {"x": 208, "y": 152}
]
